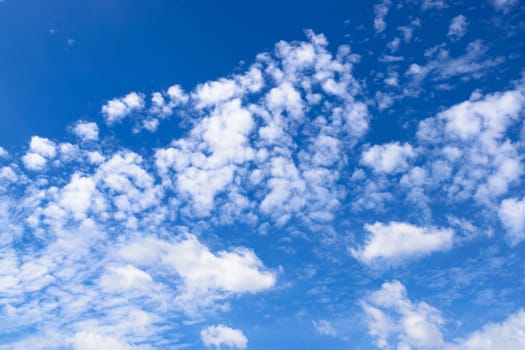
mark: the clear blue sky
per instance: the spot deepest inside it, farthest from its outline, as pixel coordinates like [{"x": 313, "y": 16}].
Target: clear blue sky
[{"x": 297, "y": 175}]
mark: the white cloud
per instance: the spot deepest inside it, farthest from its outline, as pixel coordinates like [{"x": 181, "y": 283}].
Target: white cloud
[
  {"x": 396, "y": 322},
  {"x": 508, "y": 334},
  {"x": 205, "y": 275},
  {"x": 285, "y": 97},
  {"x": 324, "y": 327},
  {"x": 388, "y": 158},
  {"x": 211, "y": 93},
  {"x": 471, "y": 148},
  {"x": 274, "y": 143},
  {"x": 34, "y": 161},
  {"x": 94, "y": 341},
  {"x": 87, "y": 131},
  {"x": 77, "y": 195},
  {"x": 119, "y": 278},
  {"x": 208, "y": 166},
  {"x": 163, "y": 104},
  {"x": 3, "y": 152},
  {"x": 394, "y": 44},
  {"x": 380, "y": 11},
  {"x": 205, "y": 163},
  {"x": 8, "y": 173},
  {"x": 40, "y": 151},
  {"x": 151, "y": 124},
  {"x": 118, "y": 108},
  {"x": 512, "y": 215},
  {"x": 132, "y": 187},
  {"x": 458, "y": 27},
  {"x": 177, "y": 95},
  {"x": 440, "y": 66},
  {"x": 397, "y": 240},
  {"x": 220, "y": 335},
  {"x": 43, "y": 147}
]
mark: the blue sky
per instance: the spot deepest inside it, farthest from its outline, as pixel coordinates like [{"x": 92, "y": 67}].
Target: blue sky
[{"x": 307, "y": 175}]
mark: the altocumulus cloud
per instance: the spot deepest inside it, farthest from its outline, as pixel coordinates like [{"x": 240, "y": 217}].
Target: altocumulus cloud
[{"x": 105, "y": 246}]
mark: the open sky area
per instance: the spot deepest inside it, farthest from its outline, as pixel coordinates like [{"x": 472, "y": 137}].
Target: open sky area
[{"x": 280, "y": 175}]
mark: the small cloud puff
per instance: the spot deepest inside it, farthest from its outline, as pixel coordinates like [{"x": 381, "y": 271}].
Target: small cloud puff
[
  {"x": 397, "y": 240},
  {"x": 86, "y": 131},
  {"x": 458, "y": 27},
  {"x": 119, "y": 108},
  {"x": 222, "y": 335},
  {"x": 40, "y": 151}
]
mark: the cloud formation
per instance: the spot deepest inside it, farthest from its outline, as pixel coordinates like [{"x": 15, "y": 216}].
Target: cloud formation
[{"x": 396, "y": 241}]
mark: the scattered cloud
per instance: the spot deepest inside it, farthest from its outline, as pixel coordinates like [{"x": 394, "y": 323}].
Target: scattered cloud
[
  {"x": 220, "y": 335},
  {"x": 396, "y": 241},
  {"x": 110, "y": 246},
  {"x": 324, "y": 327},
  {"x": 503, "y": 5},
  {"x": 505, "y": 335},
  {"x": 86, "y": 131},
  {"x": 397, "y": 322},
  {"x": 512, "y": 215},
  {"x": 458, "y": 27},
  {"x": 205, "y": 275},
  {"x": 388, "y": 158},
  {"x": 380, "y": 11},
  {"x": 40, "y": 151},
  {"x": 119, "y": 108}
]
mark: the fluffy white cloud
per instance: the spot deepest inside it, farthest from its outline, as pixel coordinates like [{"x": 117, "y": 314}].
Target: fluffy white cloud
[
  {"x": 3, "y": 152},
  {"x": 205, "y": 275},
  {"x": 77, "y": 195},
  {"x": 40, "y": 151},
  {"x": 512, "y": 215},
  {"x": 34, "y": 161},
  {"x": 8, "y": 173},
  {"x": 132, "y": 188},
  {"x": 270, "y": 146},
  {"x": 458, "y": 27},
  {"x": 396, "y": 322},
  {"x": 206, "y": 162},
  {"x": 380, "y": 11},
  {"x": 508, "y": 334},
  {"x": 388, "y": 158},
  {"x": 118, "y": 108},
  {"x": 220, "y": 335},
  {"x": 211, "y": 93},
  {"x": 163, "y": 104},
  {"x": 397, "y": 240},
  {"x": 125, "y": 277},
  {"x": 43, "y": 146},
  {"x": 209, "y": 166},
  {"x": 472, "y": 156},
  {"x": 87, "y": 131},
  {"x": 94, "y": 341}
]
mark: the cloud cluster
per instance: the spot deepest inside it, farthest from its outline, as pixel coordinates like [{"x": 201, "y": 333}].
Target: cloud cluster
[
  {"x": 220, "y": 335},
  {"x": 394, "y": 321},
  {"x": 277, "y": 131},
  {"x": 458, "y": 27},
  {"x": 395, "y": 241},
  {"x": 105, "y": 247}
]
